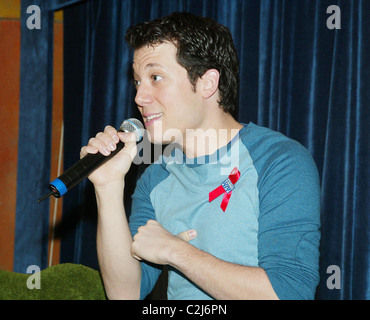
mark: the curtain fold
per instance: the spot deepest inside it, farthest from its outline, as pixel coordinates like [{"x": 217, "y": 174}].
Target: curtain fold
[
  {"x": 314, "y": 87},
  {"x": 345, "y": 176},
  {"x": 34, "y": 144},
  {"x": 54, "y": 5},
  {"x": 297, "y": 76},
  {"x": 97, "y": 93}
]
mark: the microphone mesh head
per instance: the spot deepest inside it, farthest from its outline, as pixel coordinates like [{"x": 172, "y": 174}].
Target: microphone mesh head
[{"x": 133, "y": 125}]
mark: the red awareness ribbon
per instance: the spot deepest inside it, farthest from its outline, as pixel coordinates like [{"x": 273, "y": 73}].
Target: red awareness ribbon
[{"x": 226, "y": 188}]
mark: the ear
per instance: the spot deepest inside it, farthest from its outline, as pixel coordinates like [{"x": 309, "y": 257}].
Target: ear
[{"x": 210, "y": 83}]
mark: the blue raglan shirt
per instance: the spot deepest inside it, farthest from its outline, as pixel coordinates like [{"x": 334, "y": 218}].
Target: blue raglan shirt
[{"x": 272, "y": 219}]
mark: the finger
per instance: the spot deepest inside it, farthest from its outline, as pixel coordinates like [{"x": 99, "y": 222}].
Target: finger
[
  {"x": 187, "y": 235},
  {"x": 153, "y": 222},
  {"x": 96, "y": 143},
  {"x": 108, "y": 141},
  {"x": 112, "y": 132},
  {"x": 88, "y": 149},
  {"x": 104, "y": 141},
  {"x": 133, "y": 253},
  {"x": 137, "y": 257}
]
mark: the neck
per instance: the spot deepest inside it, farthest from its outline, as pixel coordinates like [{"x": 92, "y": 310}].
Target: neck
[{"x": 211, "y": 136}]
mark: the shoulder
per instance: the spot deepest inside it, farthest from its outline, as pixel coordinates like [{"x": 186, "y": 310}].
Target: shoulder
[
  {"x": 151, "y": 177},
  {"x": 287, "y": 174},
  {"x": 273, "y": 152},
  {"x": 261, "y": 140}
]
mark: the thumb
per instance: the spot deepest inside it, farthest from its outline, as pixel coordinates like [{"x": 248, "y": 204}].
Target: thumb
[
  {"x": 129, "y": 138},
  {"x": 187, "y": 235}
]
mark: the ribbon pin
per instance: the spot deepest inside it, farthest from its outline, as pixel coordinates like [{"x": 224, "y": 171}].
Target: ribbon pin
[{"x": 226, "y": 188}]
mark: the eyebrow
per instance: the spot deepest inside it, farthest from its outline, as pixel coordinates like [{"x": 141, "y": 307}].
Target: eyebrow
[
  {"x": 149, "y": 66},
  {"x": 153, "y": 65}
]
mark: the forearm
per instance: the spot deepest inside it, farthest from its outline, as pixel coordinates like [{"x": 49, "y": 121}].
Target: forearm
[
  {"x": 120, "y": 271},
  {"x": 220, "y": 279}
]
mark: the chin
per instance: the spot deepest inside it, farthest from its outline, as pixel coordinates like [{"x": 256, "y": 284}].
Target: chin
[{"x": 161, "y": 141}]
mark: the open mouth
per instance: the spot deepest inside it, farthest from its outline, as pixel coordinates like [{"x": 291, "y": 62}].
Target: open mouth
[{"x": 149, "y": 120}]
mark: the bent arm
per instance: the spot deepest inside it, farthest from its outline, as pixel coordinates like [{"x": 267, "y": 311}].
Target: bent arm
[
  {"x": 121, "y": 273},
  {"x": 222, "y": 280}
]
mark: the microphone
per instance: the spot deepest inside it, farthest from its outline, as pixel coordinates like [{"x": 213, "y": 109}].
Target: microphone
[{"x": 81, "y": 169}]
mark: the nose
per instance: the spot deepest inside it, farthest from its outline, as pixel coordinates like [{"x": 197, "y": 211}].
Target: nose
[{"x": 143, "y": 95}]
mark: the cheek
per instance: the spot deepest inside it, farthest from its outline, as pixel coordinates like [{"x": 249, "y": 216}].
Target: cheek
[{"x": 179, "y": 103}]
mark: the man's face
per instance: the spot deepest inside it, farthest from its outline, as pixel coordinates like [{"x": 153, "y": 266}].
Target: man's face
[{"x": 165, "y": 96}]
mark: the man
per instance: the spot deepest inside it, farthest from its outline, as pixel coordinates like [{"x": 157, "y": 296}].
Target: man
[{"x": 245, "y": 228}]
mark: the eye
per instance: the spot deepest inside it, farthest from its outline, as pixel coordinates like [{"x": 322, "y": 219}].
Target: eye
[
  {"x": 136, "y": 83},
  {"x": 156, "y": 78}
]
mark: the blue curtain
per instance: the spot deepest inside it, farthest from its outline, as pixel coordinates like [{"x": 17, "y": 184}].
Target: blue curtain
[
  {"x": 97, "y": 93},
  {"x": 298, "y": 76},
  {"x": 314, "y": 86},
  {"x": 34, "y": 144}
]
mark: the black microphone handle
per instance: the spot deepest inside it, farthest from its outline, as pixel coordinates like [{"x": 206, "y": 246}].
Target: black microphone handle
[{"x": 86, "y": 165}]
